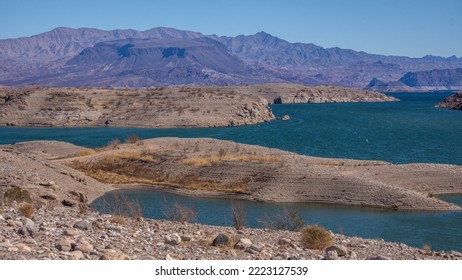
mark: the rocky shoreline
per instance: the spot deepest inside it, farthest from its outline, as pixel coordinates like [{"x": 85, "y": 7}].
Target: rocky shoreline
[{"x": 65, "y": 233}]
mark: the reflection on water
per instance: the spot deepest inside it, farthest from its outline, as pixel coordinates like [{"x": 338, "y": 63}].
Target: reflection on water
[{"x": 441, "y": 230}]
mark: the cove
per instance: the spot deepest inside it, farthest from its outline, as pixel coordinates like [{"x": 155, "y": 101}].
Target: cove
[
  {"x": 440, "y": 230},
  {"x": 408, "y": 131}
]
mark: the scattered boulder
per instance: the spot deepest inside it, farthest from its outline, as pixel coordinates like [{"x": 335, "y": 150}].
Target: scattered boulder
[
  {"x": 173, "y": 239},
  {"x": 284, "y": 241},
  {"x": 285, "y": 118},
  {"x": 243, "y": 244},
  {"x": 83, "y": 246},
  {"x": 64, "y": 245},
  {"x": 83, "y": 225},
  {"x": 331, "y": 255},
  {"x": 221, "y": 240},
  {"x": 340, "y": 249}
]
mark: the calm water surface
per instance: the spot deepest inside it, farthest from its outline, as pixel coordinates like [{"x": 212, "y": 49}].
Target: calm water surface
[
  {"x": 400, "y": 132},
  {"x": 440, "y": 230}
]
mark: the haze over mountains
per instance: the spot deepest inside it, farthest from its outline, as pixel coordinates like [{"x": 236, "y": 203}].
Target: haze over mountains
[{"x": 166, "y": 56}]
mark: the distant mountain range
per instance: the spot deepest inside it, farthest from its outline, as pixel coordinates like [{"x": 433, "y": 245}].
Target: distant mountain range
[{"x": 166, "y": 56}]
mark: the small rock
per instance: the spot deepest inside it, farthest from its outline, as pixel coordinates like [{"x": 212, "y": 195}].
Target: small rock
[
  {"x": 67, "y": 203},
  {"x": 23, "y": 247},
  {"x": 84, "y": 247},
  {"x": 221, "y": 240},
  {"x": 65, "y": 245},
  {"x": 243, "y": 244},
  {"x": 353, "y": 255},
  {"x": 114, "y": 256},
  {"x": 186, "y": 238},
  {"x": 1, "y": 218},
  {"x": 331, "y": 255},
  {"x": 147, "y": 257},
  {"x": 341, "y": 250},
  {"x": 77, "y": 255},
  {"x": 256, "y": 247},
  {"x": 71, "y": 232},
  {"x": 284, "y": 241},
  {"x": 169, "y": 258},
  {"x": 82, "y": 225},
  {"x": 5, "y": 244},
  {"x": 285, "y": 117},
  {"x": 173, "y": 239},
  {"x": 379, "y": 258},
  {"x": 455, "y": 253},
  {"x": 12, "y": 249},
  {"x": 29, "y": 224}
]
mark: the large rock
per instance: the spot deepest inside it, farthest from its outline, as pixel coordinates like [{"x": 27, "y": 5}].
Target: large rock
[
  {"x": 173, "y": 239},
  {"x": 340, "y": 249},
  {"x": 243, "y": 244},
  {"x": 331, "y": 255},
  {"x": 221, "y": 240},
  {"x": 65, "y": 245},
  {"x": 83, "y": 225},
  {"x": 284, "y": 241}
]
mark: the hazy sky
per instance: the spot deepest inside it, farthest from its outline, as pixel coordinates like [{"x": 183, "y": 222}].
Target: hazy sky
[{"x": 396, "y": 27}]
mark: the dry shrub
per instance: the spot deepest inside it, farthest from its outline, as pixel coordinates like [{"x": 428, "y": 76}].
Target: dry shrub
[
  {"x": 121, "y": 206},
  {"x": 16, "y": 194},
  {"x": 239, "y": 215},
  {"x": 26, "y": 209},
  {"x": 118, "y": 219},
  {"x": 208, "y": 160},
  {"x": 288, "y": 220},
  {"x": 113, "y": 144},
  {"x": 132, "y": 139},
  {"x": 427, "y": 249},
  {"x": 315, "y": 237},
  {"x": 84, "y": 152},
  {"x": 180, "y": 212}
]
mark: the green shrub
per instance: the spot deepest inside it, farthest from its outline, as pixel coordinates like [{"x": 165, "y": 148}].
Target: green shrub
[{"x": 315, "y": 237}]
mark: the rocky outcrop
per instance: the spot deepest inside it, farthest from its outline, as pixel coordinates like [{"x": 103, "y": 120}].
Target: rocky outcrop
[
  {"x": 453, "y": 102},
  {"x": 158, "y": 107},
  {"x": 331, "y": 94}
]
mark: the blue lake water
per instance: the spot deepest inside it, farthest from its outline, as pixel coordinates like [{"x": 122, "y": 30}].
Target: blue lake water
[
  {"x": 399, "y": 132},
  {"x": 411, "y": 130},
  {"x": 440, "y": 230}
]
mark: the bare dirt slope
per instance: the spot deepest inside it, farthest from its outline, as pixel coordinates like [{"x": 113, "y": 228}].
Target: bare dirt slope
[{"x": 208, "y": 166}]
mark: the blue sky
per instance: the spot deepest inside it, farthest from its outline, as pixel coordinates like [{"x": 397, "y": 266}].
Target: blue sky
[{"x": 402, "y": 27}]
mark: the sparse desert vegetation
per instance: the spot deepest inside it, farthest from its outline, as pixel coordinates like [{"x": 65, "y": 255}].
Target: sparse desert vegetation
[{"x": 316, "y": 237}]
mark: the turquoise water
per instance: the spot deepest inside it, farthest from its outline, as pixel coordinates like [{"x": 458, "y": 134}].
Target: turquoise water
[
  {"x": 440, "y": 230},
  {"x": 411, "y": 130},
  {"x": 400, "y": 132}
]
